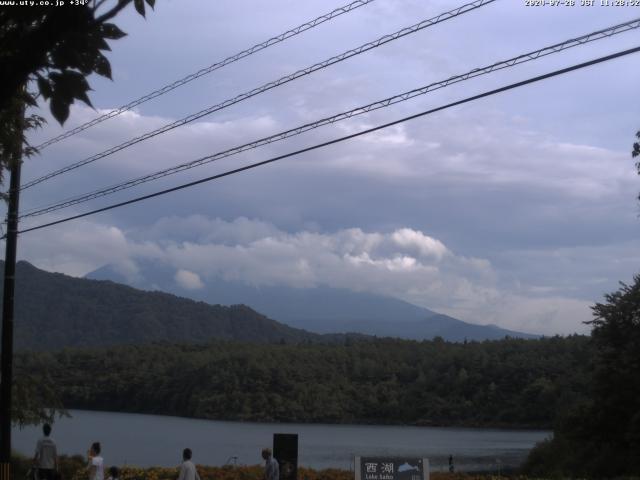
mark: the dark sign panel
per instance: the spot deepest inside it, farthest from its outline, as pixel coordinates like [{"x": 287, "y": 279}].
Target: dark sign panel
[
  {"x": 391, "y": 468},
  {"x": 285, "y": 451}
]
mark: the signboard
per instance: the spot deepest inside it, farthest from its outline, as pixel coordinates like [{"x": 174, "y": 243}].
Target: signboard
[
  {"x": 391, "y": 468},
  {"x": 285, "y": 451}
]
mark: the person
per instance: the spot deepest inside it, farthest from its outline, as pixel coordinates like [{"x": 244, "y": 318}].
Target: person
[
  {"x": 451, "y": 464},
  {"x": 96, "y": 462},
  {"x": 114, "y": 473},
  {"x": 188, "y": 469},
  {"x": 46, "y": 457},
  {"x": 271, "y": 467}
]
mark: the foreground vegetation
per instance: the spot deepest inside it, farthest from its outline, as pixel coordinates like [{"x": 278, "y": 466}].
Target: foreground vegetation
[
  {"x": 74, "y": 468},
  {"x": 587, "y": 387},
  {"x": 600, "y": 435},
  {"x": 508, "y": 383}
]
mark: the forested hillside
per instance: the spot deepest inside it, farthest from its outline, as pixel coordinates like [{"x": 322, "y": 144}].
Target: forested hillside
[
  {"x": 512, "y": 383},
  {"x": 55, "y": 311}
]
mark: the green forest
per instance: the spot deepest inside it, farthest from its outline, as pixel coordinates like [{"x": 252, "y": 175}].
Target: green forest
[
  {"x": 89, "y": 313},
  {"x": 600, "y": 436},
  {"x": 585, "y": 388},
  {"x": 508, "y": 383}
]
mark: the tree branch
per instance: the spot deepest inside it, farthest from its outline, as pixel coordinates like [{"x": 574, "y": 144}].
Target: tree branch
[
  {"x": 98, "y": 4},
  {"x": 113, "y": 12}
]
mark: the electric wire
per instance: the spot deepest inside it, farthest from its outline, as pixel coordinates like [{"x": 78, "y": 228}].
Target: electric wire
[
  {"x": 268, "y": 86},
  {"x": 211, "y": 68},
  {"x": 558, "y": 47},
  {"x": 340, "y": 139}
]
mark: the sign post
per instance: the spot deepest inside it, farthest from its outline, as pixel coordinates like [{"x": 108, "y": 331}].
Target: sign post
[
  {"x": 285, "y": 451},
  {"x": 391, "y": 468}
]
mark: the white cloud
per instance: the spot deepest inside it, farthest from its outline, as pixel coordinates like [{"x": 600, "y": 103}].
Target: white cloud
[
  {"x": 502, "y": 210},
  {"x": 548, "y": 314},
  {"x": 403, "y": 263},
  {"x": 479, "y": 149},
  {"x": 425, "y": 245},
  {"x": 188, "y": 280}
]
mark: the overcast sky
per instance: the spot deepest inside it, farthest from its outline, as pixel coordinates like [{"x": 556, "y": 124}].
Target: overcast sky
[{"x": 518, "y": 209}]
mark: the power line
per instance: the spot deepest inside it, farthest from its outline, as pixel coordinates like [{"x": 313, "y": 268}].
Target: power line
[
  {"x": 340, "y": 139},
  {"x": 205, "y": 71},
  {"x": 599, "y": 34},
  {"x": 268, "y": 86}
]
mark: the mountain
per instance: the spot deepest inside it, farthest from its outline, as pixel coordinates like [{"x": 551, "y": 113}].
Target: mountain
[
  {"x": 320, "y": 310},
  {"x": 53, "y": 311}
]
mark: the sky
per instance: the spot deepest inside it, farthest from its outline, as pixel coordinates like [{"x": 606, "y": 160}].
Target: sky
[{"x": 518, "y": 209}]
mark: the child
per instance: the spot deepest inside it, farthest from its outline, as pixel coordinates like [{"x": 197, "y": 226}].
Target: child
[{"x": 113, "y": 473}]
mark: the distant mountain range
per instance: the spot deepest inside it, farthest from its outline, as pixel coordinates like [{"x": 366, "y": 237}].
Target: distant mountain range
[
  {"x": 321, "y": 310},
  {"x": 53, "y": 311}
]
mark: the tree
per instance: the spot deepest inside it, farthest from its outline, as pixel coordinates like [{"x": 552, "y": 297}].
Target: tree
[
  {"x": 52, "y": 49},
  {"x": 616, "y": 383},
  {"x": 57, "y": 48},
  {"x": 601, "y": 437},
  {"x": 36, "y": 395},
  {"x": 636, "y": 151}
]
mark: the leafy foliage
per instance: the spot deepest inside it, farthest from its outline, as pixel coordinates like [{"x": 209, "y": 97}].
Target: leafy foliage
[
  {"x": 13, "y": 142},
  {"x": 58, "y": 48},
  {"x": 600, "y": 437},
  {"x": 68, "y": 466},
  {"x": 636, "y": 151},
  {"x": 510, "y": 383},
  {"x": 53, "y": 50},
  {"x": 74, "y": 468},
  {"x": 36, "y": 399}
]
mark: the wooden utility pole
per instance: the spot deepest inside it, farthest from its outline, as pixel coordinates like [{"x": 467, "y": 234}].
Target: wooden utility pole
[{"x": 6, "y": 368}]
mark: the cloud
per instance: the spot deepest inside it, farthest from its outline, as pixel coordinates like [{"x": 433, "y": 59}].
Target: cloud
[
  {"x": 404, "y": 263},
  {"x": 188, "y": 280},
  {"x": 480, "y": 149},
  {"x": 424, "y": 244},
  {"x": 518, "y": 209}
]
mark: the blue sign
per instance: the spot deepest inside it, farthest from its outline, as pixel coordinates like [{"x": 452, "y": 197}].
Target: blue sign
[{"x": 391, "y": 468}]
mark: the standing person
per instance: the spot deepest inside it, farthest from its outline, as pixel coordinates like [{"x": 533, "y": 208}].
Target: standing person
[
  {"x": 96, "y": 462},
  {"x": 46, "y": 457},
  {"x": 271, "y": 467},
  {"x": 114, "y": 473},
  {"x": 188, "y": 469}
]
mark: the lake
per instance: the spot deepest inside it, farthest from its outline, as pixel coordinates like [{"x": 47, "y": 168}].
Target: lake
[{"x": 146, "y": 440}]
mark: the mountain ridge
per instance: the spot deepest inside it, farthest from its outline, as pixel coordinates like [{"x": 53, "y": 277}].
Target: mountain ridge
[
  {"x": 320, "y": 310},
  {"x": 53, "y": 311}
]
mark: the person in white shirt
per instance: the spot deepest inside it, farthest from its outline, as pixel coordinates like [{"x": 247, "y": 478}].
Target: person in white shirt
[
  {"x": 46, "y": 457},
  {"x": 188, "y": 469},
  {"x": 96, "y": 462},
  {"x": 271, "y": 467}
]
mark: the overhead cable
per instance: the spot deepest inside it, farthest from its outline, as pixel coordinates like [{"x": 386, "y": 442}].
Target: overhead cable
[
  {"x": 207, "y": 70},
  {"x": 339, "y": 140},
  {"x": 533, "y": 55},
  {"x": 268, "y": 86}
]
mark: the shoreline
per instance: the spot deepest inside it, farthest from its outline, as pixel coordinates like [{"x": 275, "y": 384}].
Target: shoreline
[
  {"x": 487, "y": 427},
  {"x": 150, "y": 440}
]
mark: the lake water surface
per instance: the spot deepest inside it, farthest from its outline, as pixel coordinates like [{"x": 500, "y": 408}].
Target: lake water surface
[{"x": 147, "y": 440}]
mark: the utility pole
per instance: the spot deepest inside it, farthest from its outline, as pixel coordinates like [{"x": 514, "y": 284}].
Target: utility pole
[{"x": 6, "y": 368}]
